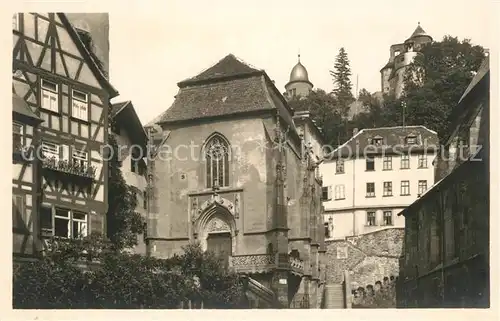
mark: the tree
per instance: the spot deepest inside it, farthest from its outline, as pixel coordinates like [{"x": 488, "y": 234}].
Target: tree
[
  {"x": 436, "y": 81},
  {"x": 324, "y": 111},
  {"x": 122, "y": 280},
  {"x": 342, "y": 82},
  {"x": 123, "y": 222}
]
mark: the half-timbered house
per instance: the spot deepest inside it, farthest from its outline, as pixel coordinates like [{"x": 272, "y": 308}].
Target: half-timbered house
[{"x": 57, "y": 78}]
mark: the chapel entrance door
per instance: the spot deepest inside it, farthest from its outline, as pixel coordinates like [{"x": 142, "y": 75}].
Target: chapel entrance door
[{"x": 221, "y": 245}]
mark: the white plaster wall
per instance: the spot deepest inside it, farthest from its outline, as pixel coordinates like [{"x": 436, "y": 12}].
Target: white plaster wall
[{"x": 349, "y": 214}]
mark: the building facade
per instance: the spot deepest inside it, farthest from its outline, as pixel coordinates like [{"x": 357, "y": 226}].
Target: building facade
[
  {"x": 401, "y": 56},
  {"x": 132, "y": 142},
  {"x": 445, "y": 261},
  {"x": 369, "y": 179},
  {"x": 56, "y": 78},
  {"x": 231, "y": 171}
]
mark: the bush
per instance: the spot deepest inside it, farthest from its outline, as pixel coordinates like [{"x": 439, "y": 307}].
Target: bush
[{"x": 121, "y": 280}]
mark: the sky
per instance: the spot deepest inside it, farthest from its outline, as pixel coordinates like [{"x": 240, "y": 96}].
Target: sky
[{"x": 152, "y": 48}]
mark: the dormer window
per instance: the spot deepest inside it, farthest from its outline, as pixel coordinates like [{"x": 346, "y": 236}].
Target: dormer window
[
  {"x": 377, "y": 141},
  {"x": 411, "y": 140}
]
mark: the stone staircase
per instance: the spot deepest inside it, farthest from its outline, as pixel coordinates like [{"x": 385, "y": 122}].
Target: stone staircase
[{"x": 334, "y": 296}]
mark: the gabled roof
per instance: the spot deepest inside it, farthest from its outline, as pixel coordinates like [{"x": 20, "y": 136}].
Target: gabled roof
[
  {"x": 124, "y": 114},
  {"x": 466, "y": 107},
  {"x": 228, "y": 66},
  {"x": 229, "y": 87},
  {"x": 103, "y": 81},
  {"x": 393, "y": 141},
  {"x": 481, "y": 72},
  {"x": 20, "y": 107}
]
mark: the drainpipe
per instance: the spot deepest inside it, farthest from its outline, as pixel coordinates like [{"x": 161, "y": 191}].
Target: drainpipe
[{"x": 354, "y": 197}]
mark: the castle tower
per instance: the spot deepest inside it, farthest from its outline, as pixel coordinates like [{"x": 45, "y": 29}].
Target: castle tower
[
  {"x": 95, "y": 25},
  {"x": 299, "y": 84},
  {"x": 401, "y": 56}
]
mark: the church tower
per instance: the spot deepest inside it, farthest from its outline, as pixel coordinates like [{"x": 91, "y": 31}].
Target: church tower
[
  {"x": 299, "y": 84},
  {"x": 402, "y": 55}
]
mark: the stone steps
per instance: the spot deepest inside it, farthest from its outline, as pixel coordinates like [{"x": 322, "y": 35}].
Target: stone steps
[{"x": 334, "y": 296}]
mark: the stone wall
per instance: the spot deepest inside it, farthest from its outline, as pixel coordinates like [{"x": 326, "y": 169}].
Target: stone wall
[
  {"x": 368, "y": 257},
  {"x": 380, "y": 295}
]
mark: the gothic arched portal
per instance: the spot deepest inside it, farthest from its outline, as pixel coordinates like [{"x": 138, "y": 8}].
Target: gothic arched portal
[{"x": 216, "y": 230}]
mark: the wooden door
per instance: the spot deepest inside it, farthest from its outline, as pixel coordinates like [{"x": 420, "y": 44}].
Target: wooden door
[{"x": 221, "y": 245}]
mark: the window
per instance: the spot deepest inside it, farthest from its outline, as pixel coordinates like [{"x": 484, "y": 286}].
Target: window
[
  {"x": 422, "y": 161},
  {"x": 80, "y": 105},
  {"x": 387, "y": 163},
  {"x": 339, "y": 167},
  {"x": 405, "y": 161},
  {"x": 370, "y": 189},
  {"x": 50, "y": 96},
  {"x": 326, "y": 193},
  {"x": 80, "y": 157},
  {"x": 79, "y": 225},
  {"x": 387, "y": 188},
  {"x": 405, "y": 188},
  {"x": 50, "y": 150},
  {"x": 327, "y": 230},
  {"x": 377, "y": 141},
  {"x": 370, "y": 164},
  {"x": 134, "y": 160},
  {"x": 17, "y": 136},
  {"x": 422, "y": 187},
  {"x": 145, "y": 200},
  {"x": 46, "y": 224},
  {"x": 217, "y": 162},
  {"x": 370, "y": 218},
  {"x": 387, "y": 217},
  {"x": 411, "y": 140},
  {"x": 62, "y": 222},
  {"x": 339, "y": 192}
]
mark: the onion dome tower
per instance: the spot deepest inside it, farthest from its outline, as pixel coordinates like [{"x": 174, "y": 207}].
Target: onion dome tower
[{"x": 299, "y": 84}]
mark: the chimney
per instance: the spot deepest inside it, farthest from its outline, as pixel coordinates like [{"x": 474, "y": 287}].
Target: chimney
[{"x": 354, "y": 131}]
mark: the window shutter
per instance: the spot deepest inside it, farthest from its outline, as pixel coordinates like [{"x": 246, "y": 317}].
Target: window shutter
[
  {"x": 65, "y": 152},
  {"x": 330, "y": 192}
]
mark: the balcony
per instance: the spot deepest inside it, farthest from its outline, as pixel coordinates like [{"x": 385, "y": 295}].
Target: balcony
[
  {"x": 73, "y": 169},
  {"x": 252, "y": 263},
  {"x": 259, "y": 263}
]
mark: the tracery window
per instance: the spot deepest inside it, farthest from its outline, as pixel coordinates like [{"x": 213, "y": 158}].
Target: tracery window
[{"x": 217, "y": 162}]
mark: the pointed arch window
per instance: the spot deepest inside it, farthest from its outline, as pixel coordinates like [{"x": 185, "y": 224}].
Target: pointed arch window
[{"x": 217, "y": 162}]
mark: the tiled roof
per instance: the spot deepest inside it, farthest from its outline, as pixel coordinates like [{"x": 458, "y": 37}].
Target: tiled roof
[
  {"x": 20, "y": 107},
  {"x": 226, "y": 67},
  {"x": 116, "y": 108},
  {"x": 419, "y": 31},
  {"x": 219, "y": 98},
  {"x": 483, "y": 69},
  {"x": 124, "y": 113},
  {"x": 393, "y": 141}
]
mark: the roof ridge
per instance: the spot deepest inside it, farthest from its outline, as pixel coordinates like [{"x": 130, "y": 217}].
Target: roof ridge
[{"x": 394, "y": 127}]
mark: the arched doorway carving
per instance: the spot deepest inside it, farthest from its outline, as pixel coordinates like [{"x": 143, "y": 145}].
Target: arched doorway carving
[{"x": 216, "y": 230}]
